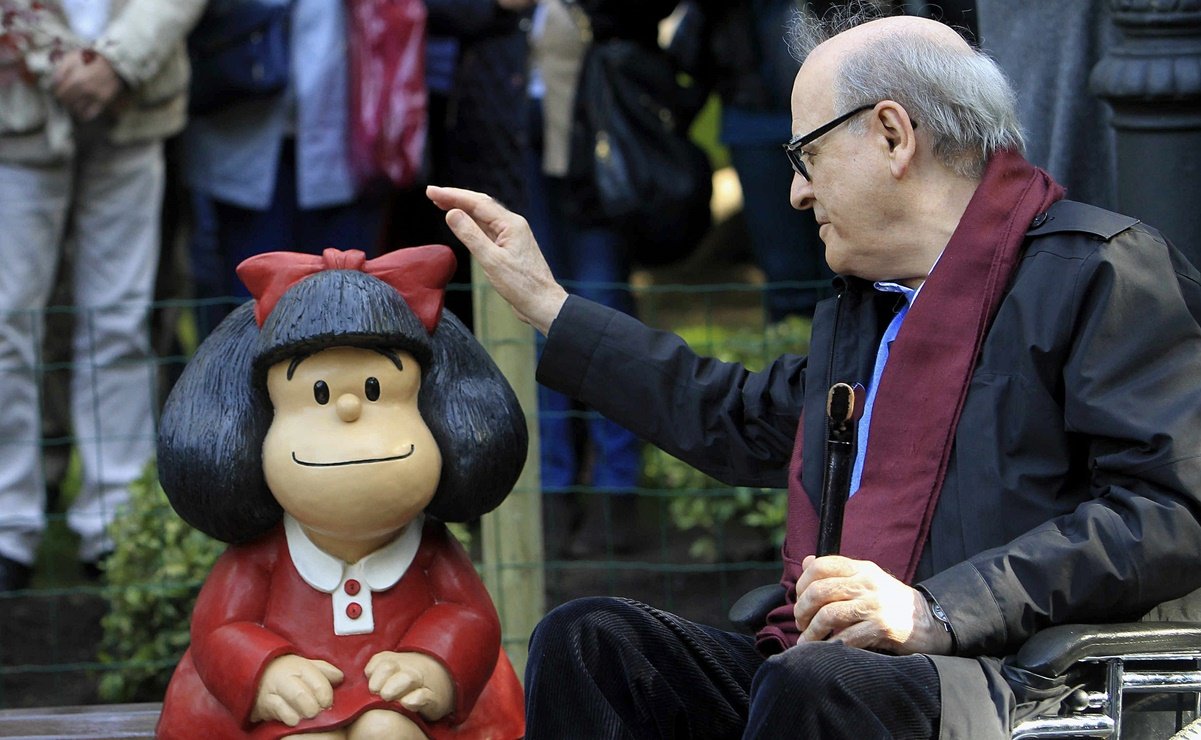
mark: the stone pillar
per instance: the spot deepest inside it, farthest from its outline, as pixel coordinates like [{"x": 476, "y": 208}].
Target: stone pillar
[{"x": 1152, "y": 80}]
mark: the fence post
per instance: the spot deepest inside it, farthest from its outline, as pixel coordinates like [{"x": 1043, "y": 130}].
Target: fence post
[{"x": 512, "y": 535}]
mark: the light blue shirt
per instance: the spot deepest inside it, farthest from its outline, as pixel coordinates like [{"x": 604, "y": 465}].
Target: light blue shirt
[
  {"x": 890, "y": 334},
  {"x": 233, "y": 155},
  {"x": 88, "y": 18}
]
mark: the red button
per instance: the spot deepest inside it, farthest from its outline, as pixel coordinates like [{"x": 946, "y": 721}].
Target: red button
[
  {"x": 354, "y": 611},
  {"x": 352, "y": 587}
]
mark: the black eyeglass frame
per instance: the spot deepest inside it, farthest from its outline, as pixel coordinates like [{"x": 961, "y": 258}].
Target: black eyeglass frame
[{"x": 793, "y": 148}]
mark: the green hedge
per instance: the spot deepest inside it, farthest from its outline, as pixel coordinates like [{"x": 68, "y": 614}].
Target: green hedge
[
  {"x": 699, "y": 503},
  {"x": 153, "y": 575}
]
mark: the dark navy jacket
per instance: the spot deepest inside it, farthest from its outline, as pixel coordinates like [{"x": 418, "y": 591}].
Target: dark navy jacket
[{"x": 1073, "y": 492}]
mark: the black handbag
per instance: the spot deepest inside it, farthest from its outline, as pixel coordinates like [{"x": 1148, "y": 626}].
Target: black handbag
[
  {"x": 239, "y": 51},
  {"x": 631, "y": 161}
]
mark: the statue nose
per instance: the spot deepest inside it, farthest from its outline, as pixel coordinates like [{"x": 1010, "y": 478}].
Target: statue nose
[{"x": 349, "y": 407}]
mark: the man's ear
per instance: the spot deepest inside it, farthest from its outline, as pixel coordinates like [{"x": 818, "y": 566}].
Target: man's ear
[{"x": 897, "y": 129}]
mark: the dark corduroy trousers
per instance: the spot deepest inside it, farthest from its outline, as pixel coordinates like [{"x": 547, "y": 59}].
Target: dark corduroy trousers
[{"x": 616, "y": 668}]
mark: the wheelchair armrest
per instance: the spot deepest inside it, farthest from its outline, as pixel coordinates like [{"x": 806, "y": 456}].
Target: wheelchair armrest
[
  {"x": 1051, "y": 652},
  {"x": 750, "y": 612}
]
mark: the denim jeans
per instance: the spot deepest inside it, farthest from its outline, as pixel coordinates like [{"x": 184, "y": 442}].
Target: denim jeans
[
  {"x": 590, "y": 261},
  {"x": 784, "y": 241}
]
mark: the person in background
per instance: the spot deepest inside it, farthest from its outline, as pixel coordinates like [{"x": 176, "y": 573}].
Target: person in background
[
  {"x": 476, "y": 62},
  {"x": 593, "y": 260},
  {"x": 743, "y": 58},
  {"x": 88, "y": 91},
  {"x": 277, "y": 170}
]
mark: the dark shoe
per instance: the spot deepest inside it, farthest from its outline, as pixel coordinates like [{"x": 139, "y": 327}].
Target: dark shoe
[{"x": 14, "y": 576}]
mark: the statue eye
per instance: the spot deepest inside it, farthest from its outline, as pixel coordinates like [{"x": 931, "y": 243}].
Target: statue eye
[
  {"x": 371, "y": 388},
  {"x": 321, "y": 392}
]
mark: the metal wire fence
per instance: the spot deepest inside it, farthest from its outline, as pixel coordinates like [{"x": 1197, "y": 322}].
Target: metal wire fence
[{"x": 676, "y": 539}]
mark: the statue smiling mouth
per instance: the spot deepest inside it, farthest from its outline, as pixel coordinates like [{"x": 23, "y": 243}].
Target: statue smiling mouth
[{"x": 401, "y": 456}]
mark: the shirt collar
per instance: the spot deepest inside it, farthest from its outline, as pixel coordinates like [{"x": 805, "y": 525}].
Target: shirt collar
[
  {"x": 381, "y": 569},
  {"x": 887, "y": 287}
]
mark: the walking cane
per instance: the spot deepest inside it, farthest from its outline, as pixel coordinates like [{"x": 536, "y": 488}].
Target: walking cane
[{"x": 844, "y": 407}]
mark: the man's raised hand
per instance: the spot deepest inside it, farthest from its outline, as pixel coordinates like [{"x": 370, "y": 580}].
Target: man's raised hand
[{"x": 504, "y": 245}]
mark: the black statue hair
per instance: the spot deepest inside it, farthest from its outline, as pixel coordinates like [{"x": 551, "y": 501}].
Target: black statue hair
[{"x": 215, "y": 419}]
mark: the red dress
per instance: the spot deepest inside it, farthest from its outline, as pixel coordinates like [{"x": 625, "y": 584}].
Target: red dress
[{"x": 255, "y": 607}]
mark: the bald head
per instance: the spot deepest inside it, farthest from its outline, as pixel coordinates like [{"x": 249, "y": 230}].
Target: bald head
[
  {"x": 905, "y": 26},
  {"x": 954, "y": 93}
]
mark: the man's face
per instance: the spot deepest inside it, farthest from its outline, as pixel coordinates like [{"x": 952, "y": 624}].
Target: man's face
[{"x": 848, "y": 188}]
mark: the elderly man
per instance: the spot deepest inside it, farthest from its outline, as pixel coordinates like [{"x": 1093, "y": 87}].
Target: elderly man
[{"x": 1029, "y": 453}]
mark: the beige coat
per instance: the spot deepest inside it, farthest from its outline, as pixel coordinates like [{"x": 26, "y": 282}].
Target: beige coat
[
  {"x": 143, "y": 41},
  {"x": 558, "y": 53}
]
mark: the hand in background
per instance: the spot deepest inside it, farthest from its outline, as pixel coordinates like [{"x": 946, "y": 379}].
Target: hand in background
[
  {"x": 859, "y": 604},
  {"x": 504, "y": 245},
  {"x": 420, "y": 683},
  {"x": 293, "y": 688},
  {"x": 85, "y": 83}
]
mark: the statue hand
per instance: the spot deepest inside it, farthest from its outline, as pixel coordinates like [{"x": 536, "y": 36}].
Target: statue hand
[
  {"x": 420, "y": 683},
  {"x": 295, "y": 688}
]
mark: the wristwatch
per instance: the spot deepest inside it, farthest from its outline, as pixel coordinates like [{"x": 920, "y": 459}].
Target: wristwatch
[{"x": 940, "y": 615}]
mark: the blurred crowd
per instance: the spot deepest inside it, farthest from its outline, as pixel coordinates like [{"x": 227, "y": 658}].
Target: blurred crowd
[{"x": 115, "y": 189}]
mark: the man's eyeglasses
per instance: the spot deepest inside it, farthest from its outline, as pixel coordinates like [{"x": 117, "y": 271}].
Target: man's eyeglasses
[{"x": 794, "y": 145}]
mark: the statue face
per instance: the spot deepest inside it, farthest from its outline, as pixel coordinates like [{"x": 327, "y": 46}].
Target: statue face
[{"x": 348, "y": 454}]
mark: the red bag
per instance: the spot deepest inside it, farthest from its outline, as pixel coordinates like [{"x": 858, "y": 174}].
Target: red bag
[{"x": 388, "y": 98}]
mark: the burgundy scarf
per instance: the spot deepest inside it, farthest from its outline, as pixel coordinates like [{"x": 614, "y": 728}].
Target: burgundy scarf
[{"x": 923, "y": 387}]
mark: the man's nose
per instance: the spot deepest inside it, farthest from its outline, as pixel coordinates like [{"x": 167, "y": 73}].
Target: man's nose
[
  {"x": 800, "y": 195},
  {"x": 349, "y": 407}
]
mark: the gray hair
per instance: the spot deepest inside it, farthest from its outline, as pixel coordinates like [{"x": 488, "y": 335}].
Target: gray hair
[{"x": 962, "y": 98}]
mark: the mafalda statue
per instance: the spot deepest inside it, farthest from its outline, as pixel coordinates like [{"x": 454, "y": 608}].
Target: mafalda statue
[{"x": 326, "y": 431}]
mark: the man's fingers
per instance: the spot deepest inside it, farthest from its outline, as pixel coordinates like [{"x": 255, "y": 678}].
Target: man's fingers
[
  {"x": 469, "y": 232},
  {"x": 831, "y": 619},
  {"x": 818, "y": 594},
  {"x": 858, "y": 635},
  {"x": 479, "y": 206}
]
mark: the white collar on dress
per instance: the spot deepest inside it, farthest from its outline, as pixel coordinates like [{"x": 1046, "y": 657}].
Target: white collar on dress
[{"x": 381, "y": 569}]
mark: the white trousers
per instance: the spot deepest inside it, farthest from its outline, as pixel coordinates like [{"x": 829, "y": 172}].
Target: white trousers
[{"x": 108, "y": 198}]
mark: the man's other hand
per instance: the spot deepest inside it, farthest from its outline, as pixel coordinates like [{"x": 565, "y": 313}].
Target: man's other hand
[
  {"x": 504, "y": 245},
  {"x": 857, "y": 603},
  {"x": 85, "y": 83}
]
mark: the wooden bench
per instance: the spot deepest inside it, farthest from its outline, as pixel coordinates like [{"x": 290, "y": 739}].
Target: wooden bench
[{"x": 98, "y": 722}]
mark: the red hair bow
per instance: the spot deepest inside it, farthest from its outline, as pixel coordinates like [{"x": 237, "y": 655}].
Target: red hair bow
[{"x": 419, "y": 274}]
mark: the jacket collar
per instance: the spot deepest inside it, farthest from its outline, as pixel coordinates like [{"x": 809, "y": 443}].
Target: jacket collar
[{"x": 381, "y": 569}]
